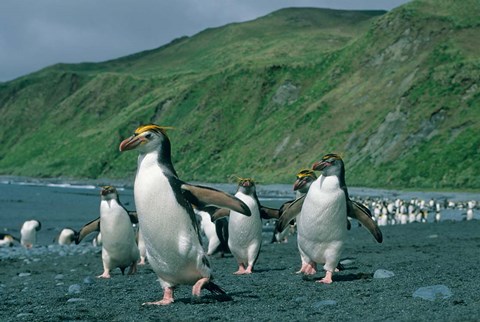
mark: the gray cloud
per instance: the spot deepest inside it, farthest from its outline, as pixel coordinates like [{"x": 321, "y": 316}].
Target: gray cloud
[{"x": 38, "y": 33}]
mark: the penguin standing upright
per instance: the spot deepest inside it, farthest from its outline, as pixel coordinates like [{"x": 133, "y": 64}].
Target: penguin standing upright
[
  {"x": 28, "y": 233},
  {"x": 166, "y": 216},
  {"x": 119, "y": 247},
  {"x": 245, "y": 233},
  {"x": 322, "y": 215},
  {"x": 301, "y": 185}
]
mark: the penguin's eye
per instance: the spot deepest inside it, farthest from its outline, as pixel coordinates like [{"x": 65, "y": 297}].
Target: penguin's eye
[{"x": 148, "y": 136}]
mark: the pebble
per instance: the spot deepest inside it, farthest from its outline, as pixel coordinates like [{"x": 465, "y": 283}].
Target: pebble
[
  {"x": 22, "y": 315},
  {"x": 75, "y": 299},
  {"x": 59, "y": 276},
  {"x": 88, "y": 280},
  {"x": 383, "y": 273},
  {"x": 321, "y": 304},
  {"x": 24, "y": 274},
  {"x": 74, "y": 289},
  {"x": 347, "y": 262},
  {"x": 431, "y": 293}
]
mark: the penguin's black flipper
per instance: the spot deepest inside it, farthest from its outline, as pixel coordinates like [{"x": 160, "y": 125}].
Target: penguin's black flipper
[
  {"x": 201, "y": 196},
  {"x": 133, "y": 216},
  {"x": 92, "y": 226},
  {"x": 291, "y": 211},
  {"x": 269, "y": 213},
  {"x": 364, "y": 216}
]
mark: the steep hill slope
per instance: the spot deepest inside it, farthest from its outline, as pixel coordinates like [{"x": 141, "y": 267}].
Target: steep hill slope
[{"x": 395, "y": 93}]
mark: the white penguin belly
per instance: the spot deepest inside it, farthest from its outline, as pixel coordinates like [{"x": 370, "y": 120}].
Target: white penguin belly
[
  {"x": 245, "y": 233},
  {"x": 119, "y": 248},
  {"x": 322, "y": 223},
  {"x": 173, "y": 247}
]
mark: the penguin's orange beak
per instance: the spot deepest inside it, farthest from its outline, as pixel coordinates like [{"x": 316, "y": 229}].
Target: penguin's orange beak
[
  {"x": 320, "y": 165},
  {"x": 299, "y": 183},
  {"x": 131, "y": 143}
]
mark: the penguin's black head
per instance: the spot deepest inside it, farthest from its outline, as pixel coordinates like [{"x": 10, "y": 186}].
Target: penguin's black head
[
  {"x": 146, "y": 138},
  {"x": 304, "y": 180},
  {"x": 246, "y": 185},
  {"x": 109, "y": 192},
  {"x": 331, "y": 164}
]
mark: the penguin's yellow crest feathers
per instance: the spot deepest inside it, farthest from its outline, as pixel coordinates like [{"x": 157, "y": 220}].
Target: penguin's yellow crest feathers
[
  {"x": 306, "y": 173},
  {"x": 152, "y": 127}
]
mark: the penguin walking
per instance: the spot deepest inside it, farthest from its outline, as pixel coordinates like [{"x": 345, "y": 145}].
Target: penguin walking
[
  {"x": 322, "y": 215},
  {"x": 245, "y": 233},
  {"x": 119, "y": 247},
  {"x": 28, "y": 233},
  {"x": 166, "y": 216}
]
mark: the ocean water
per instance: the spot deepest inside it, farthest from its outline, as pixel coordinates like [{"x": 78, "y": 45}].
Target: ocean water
[{"x": 58, "y": 205}]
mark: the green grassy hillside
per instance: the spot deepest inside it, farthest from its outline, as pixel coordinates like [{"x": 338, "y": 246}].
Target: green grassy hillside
[{"x": 395, "y": 93}]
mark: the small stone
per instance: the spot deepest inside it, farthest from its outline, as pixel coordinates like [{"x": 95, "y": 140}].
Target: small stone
[
  {"x": 383, "y": 273},
  {"x": 88, "y": 280},
  {"x": 74, "y": 289},
  {"x": 59, "y": 276},
  {"x": 24, "y": 274},
  {"x": 321, "y": 304},
  {"x": 75, "y": 299},
  {"x": 347, "y": 262},
  {"x": 22, "y": 315},
  {"x": 431, "y": 293}
]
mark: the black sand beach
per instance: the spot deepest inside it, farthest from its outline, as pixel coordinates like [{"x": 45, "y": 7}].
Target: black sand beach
[{"x": 53, "y": 283}]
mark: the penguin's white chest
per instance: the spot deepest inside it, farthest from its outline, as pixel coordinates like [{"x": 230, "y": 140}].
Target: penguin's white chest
[
  {"x": 172, "y": 243},
  {"x": 322, "y": 223},
  {"x": 243, "y": 229},
  {"x": 119, "y": 248},
  {"x": 245, "y": 233},
  {"x": 115, "y": 224}
]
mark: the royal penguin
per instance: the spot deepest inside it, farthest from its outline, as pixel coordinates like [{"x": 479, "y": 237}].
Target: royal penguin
[
  {"x": 304, "y": 179},
  {"x": 7, "y": 240},
  {"x": 28, "y": 233},
  {"x": 216, "y": 232},
  {"x": 165, "y": 211},
  {"x": 66, "y": 236},
  {"x": 119, "y": 247},
  {"x": 322, "y": 215},
  {"x": 245, "y": 233}
]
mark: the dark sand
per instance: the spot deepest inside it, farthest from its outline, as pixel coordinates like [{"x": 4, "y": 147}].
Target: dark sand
[{"x": 34, "y": 284}]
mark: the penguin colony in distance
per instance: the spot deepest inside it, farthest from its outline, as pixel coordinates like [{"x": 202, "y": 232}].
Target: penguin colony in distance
[
  {"x": 322, "y": 218},
  {"x": 119, "y": 247},
  {"x": 28, "y": 232},
  {"x": 166, "y": 216}
]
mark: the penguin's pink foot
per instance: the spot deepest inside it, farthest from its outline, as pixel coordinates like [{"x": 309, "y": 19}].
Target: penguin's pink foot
[
  {"x": 308, "y": 268},
  {"x": 142, "y": 261},
  {"x": 106, "y": 274},
  {"x": 199, "y": 285},
  {"x": 167, "y": 298},
  {"x": 249, "y": 269},
  {"x": 241, "y": 270},
  {"x": 327, "y": 279}
]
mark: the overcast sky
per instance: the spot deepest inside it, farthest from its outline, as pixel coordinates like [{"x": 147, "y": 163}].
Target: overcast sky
[{"x": 38, "y": 33}]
